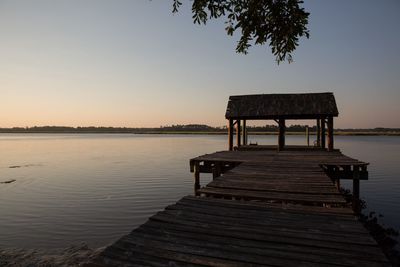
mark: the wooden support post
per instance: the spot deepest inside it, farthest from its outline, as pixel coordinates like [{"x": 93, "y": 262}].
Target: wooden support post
[
  {"x": 196, "y": 178},
  {"x": 323, "y": 133},
  {"x": 346, "y": 172},
  {"x": 308, "y": 136},
  {"x": 238, "y": 133},
  {"x": 217, "y": 170},
  {"x": 331, "y": 172},
  {"x": 356, "y": 190},
  {"x": 244, "y": 133},
  {"x": 318, "y": 132},
  {"x": 214, "y": 172},
  {"x": 338, "y": 184},
  {"x": 330, "y": 133},
  {"x": 337, "y": 181},
  {"x": 230, "y": 135},
  {"x": 281, "y": 137}
]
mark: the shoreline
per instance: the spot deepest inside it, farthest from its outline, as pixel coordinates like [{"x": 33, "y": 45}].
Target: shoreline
[
  {"x": 73, "y": 255},
  {"x": 337, "y": 133}
]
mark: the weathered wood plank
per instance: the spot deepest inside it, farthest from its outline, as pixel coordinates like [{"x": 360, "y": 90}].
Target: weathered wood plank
[
  {"x": 337, "y": 228},
  {"x": 250, "y": 247},
  {"x": 281, "y": 208},
  {"x": 275, "y": 187},
  {"x": 214, "y": 251},
  {"x": 259, "y": 234},
  {"x": 273, "y": 196}
]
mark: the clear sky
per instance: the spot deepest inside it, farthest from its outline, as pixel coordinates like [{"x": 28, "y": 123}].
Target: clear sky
[{"x": 135, "y": 64}]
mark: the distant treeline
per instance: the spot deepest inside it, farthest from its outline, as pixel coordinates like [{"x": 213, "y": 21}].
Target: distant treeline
[{"x": 189, "y": 128}]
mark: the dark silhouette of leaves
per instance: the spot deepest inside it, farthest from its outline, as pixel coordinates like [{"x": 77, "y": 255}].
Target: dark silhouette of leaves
[{"x": 280, "y": 23}]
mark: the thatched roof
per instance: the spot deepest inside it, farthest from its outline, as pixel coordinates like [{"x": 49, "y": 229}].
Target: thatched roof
[{"x": 288, "y": 106}]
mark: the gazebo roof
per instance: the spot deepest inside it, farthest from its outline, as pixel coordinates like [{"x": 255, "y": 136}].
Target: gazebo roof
[{"x": 282, "y": 106}]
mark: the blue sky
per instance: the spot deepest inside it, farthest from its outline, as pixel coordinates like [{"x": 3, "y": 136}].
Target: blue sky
[{"x": 134, "y": 63}]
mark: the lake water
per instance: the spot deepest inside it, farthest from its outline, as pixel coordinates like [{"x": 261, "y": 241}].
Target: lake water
[{"x": 96, "y": 188}]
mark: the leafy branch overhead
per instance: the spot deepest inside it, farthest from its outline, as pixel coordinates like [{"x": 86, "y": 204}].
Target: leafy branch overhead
[{"x": 280, "y": 23}]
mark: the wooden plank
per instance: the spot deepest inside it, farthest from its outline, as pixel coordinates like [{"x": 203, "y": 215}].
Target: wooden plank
[
  {"x": 172, "y": 256},
  {"x": 275, "y": 187},
  {"x": 213, "y": 251},
  {"x": 116, "y": 256},
  {"x": 260, "y": 234},
  {"x": 303, "y": 224},
  {"x": 277, "y": 181},
  {"x": 250, "y": 247},
  {"x": 282, "y": 208},
  {"x": 301, "y": 230},
  {"x": 286, "y": 197}
]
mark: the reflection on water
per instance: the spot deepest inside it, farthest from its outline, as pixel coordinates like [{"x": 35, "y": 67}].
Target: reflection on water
[{"x": 95, "y": 188}]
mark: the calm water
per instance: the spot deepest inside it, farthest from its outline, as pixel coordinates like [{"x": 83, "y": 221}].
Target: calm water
[{"x": 95, "y": 188}]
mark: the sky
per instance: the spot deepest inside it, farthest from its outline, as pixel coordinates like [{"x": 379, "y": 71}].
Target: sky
[{"x": 135, "y": 64}]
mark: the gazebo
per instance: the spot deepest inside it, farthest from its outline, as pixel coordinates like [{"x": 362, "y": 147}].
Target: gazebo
[{"x": 281, "y": 107}]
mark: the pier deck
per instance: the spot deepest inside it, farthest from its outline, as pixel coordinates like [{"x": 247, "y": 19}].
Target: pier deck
[
  {"x": 263, "y": 208},
  {"x": 288, "y": 176}
]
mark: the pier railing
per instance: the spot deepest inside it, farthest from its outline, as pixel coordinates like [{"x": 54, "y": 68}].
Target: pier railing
[{"x": 355, "y": 172}]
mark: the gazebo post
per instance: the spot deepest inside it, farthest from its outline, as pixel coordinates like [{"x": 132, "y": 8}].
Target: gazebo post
[
  {"x": 330, "y": 133},
  {"x": 244, "y": 133},
  {"x": 281, "y": 138},
  {"x": 230, "y": 135},
  {"x": 238, "y": 133},
  {"x": 318, "y": 132},
  {"x": 323, "y": 132}
]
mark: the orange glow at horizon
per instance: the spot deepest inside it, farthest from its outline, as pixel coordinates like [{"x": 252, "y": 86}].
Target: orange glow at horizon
[{"x": 76, "y": 64}]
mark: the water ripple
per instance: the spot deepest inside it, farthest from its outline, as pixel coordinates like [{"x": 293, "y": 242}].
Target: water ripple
[{"x": 95, "y": 188}]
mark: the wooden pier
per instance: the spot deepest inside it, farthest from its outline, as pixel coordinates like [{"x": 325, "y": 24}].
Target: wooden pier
[
  {"x": 263, "y": 208},
  {"x": 299, "y": 177},
  {"x": 266, "y": 206},
  {"x": 216, "y": 232}
]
